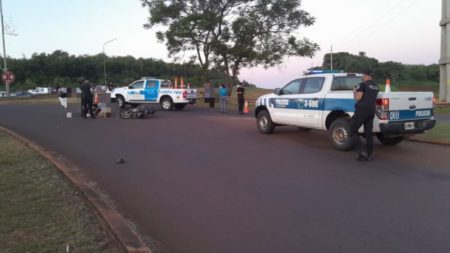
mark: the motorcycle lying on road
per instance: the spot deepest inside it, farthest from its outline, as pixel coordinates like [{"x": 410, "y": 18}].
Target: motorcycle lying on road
[{"x": 136, "y": 111}]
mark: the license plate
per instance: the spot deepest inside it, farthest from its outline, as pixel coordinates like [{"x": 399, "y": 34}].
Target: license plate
[{"x": 409, "y": 125}]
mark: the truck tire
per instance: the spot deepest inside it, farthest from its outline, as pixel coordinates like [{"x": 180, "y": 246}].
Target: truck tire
[
  {"x": 264, "y": 122},
  {"x": 339, "y": 134},
  {"x": 166, "y": 104},
  {"x": 179, "y": 107},
  {"x": 121, "y": 102},
  {"x": 389, "y": 140}
]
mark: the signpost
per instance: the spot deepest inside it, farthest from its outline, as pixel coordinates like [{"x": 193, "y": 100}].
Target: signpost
[{"x": 8, "y": 77}]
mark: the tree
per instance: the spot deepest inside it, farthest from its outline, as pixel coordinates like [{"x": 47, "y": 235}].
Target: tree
[
  {"x": 229, "y": 35},
  {"x": 390, "y": 69},
  {"x": 350, "y": 63}
]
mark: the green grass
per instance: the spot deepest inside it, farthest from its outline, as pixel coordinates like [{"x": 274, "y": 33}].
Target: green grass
[
  {"x": 441, "y": 133},
  {"x": 442, "y": 110},
  {"x": 39, "y": 210},
  {"x": 414, "y": 86}
]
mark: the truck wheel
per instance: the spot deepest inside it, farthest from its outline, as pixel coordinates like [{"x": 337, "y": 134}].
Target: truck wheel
[
  {"x": 389, "y": 140},
  {"x": 166, "y": 104},
  {"x": 179, "y": 107},
  {"x": 264, "y": 122},
  {"x": 121, "y": 102},
  {"x": 340, "y": 134}
]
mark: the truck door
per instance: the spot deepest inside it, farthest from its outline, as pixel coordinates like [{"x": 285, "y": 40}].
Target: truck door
[
  {"x": 285, "y": 106},
  {"x": 136, "y": 91},
  {"x": 151, "y": 90},
  {"x": 310, "y": 102}
]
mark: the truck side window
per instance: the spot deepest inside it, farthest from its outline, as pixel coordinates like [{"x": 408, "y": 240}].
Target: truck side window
[
  {"x": 292, "y": 87},
  {"x": 151, "y": 84},
  {"x": 313, "y": 84},
  {"x": 345, "y": 82},
  {"x": 137, "y": 85},
  {"x": 166, "y": 84}
]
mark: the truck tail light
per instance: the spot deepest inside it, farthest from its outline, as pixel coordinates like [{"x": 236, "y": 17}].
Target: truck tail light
[
  {"x": 185, "y": 94},
  {"x": 382, "y": 108},
  {"x": 434, "y": 102}
]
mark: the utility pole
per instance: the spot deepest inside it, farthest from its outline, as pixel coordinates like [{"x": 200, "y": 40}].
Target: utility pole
[
  {"x": 104, "y": 56},
  {"x": 5, "y": 67},
  {"x": 331, "y": 57},
  {"x": 444, "y": 62}
]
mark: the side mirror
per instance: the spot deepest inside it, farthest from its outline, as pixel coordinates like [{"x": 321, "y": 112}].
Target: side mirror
[{"x": 277, "y": 91}]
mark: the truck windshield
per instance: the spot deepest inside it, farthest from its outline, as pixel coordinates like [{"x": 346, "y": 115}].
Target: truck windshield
[{"x": 345, "y": 82}]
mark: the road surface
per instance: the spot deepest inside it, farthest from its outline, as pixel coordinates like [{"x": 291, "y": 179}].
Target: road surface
[{"x": 199, "y": 181}]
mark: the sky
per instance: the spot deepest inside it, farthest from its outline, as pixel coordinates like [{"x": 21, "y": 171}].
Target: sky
[{"x": 405, "y": 31}]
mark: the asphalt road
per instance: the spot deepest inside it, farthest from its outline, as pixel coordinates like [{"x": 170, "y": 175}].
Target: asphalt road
[{"x": 200, "y": 181}]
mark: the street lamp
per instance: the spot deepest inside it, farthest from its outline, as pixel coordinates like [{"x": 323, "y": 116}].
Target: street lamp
[
  {"x": 5, "y": 68},
  {"x": 104, "y": 56}
]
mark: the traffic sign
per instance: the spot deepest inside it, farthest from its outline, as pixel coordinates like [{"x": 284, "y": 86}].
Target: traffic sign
[{"x": 8, "y": 77}]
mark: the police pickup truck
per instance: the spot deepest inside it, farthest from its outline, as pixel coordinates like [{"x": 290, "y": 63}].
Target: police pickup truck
[
  {"x": 324, "y": 101},
  {"x": 151, "y": 90}
]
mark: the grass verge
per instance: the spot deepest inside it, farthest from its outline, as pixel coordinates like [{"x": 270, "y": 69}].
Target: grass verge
[
  {"x": 40, "y": 211},
  {"x": 439, "y": 133}
]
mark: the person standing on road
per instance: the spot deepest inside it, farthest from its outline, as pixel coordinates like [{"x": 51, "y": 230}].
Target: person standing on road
[
  {"x": 223, "y": 93},
  {"x": 240, "y": 97},
  {"x": 365, "y": 95},
  {"x": 110, "y": 86},
  {"x": 62, "y": 96},
  {"x": 86, "y": 99},
  {"x": 209, "y": 95}
]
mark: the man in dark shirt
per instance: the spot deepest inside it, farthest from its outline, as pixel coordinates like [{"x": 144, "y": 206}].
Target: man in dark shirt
[
  {"x": 86, "y": 99},
  {"x": 365, "y": 95},
  {"x": 241, "y": 99}
]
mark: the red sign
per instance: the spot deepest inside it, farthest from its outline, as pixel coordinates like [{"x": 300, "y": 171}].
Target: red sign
[{"x": 8, "y": 77}]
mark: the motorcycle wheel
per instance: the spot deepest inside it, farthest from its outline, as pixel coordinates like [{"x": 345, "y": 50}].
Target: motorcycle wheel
[{"x": 125, "y": 113}]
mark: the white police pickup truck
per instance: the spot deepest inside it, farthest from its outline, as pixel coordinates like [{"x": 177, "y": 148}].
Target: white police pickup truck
[
  {"x": 324, "y": 101},
  {"x": 151, "y": 90}
]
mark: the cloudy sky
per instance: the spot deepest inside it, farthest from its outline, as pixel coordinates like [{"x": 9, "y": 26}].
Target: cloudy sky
[{"x": 405, "y": 31}]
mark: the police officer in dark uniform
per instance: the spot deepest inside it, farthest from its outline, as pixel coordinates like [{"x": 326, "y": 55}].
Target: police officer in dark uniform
[
  {"x": 365, "y": 95},
  {"x": 86, "y": 99},
  {"x": 241, "y": 99}
]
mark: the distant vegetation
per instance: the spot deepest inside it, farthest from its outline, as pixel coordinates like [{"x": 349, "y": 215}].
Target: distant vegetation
[
  {"x": 400, "y": 74},
  {"x": 60, "y": 68}
]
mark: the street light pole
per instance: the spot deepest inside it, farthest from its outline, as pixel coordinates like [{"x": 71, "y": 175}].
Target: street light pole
[
  {"x": 104, "y": 56},
  {"x": 5, "y": 68}
]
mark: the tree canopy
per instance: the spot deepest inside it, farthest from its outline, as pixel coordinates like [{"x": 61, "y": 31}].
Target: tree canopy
[
  {"x": 60, "y": 68},
  {"x": 230, "y": 34}
]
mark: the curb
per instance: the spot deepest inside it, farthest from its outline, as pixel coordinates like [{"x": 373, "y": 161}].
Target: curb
[
  {"x": 112, "y": 221},
  {"x": 442, "y": 143}
]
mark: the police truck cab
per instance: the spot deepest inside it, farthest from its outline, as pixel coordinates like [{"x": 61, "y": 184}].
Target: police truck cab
[{"x": 323, "y": 100}]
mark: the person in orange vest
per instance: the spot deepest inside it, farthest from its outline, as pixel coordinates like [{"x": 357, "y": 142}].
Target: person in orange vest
[
  {"x": 96, "y": 104},
  {"x": 241, "y": 98}
]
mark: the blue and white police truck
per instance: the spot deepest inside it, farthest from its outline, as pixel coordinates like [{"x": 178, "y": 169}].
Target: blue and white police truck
[
  {"x": 150, "y": 90},
  {"x": 325, "y": 101}
]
